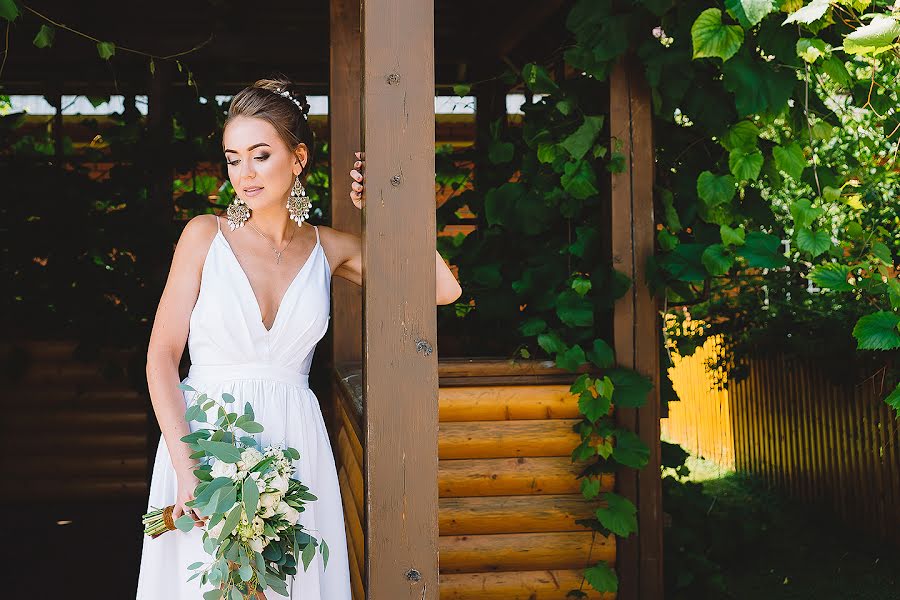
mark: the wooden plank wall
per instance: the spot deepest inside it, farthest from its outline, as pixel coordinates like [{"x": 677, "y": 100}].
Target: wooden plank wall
[
  {"x": 71, "y": 430},
  {"x": 827, "y": 446},
  {"x": 509, "y": 496}
]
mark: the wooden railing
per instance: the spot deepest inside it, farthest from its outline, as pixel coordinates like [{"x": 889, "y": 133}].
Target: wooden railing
[{"x": 829, "y": 446}]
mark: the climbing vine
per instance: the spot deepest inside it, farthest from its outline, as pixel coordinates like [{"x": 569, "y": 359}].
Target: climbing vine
[{"x": 776, "y": 129}]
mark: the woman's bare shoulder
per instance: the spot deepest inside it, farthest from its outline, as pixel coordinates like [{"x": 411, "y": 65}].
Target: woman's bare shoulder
[{"x": 196, "y": 238}]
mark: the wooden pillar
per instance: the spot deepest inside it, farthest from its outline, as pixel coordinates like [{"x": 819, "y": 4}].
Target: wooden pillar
[
  {"x": 400, "y": 381},
  {"x": 636, "y": 326},
  {"x": 344, "y": 104}
]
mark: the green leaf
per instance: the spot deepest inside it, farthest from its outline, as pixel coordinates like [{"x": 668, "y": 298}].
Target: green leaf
[
  {"x": 532, "y": 326},
  {"x": 810, "y": 49},
  {"x": 252, "y": 427},
  {"x": 250, "y": 496},
  {"x": 222, "y": 450},
  {"x": 715, "y": 189},
  {"x": 601, "y": 354},
  {"x": 501, "y": 201},
  {"x": 743, "y": 135},
  {"x": 462, "y": 89},
  {"x": 8, "y": 10},
  {"x": 630, "y": 388},
  {"x": 591, "y": 407},
  {"x": 813, "y": 242},
  {"x": 759, "y": 87},
  {"x": 790, "y": 159},
  {"x": 685, "y": 263},
  {"x": 571, "y": 359},
  {"x": 602, "y": 578},
  {"x": 231, "y": 521},
  {"x": 745, "y": 166},
  {"x": 878, "y": 331},
  {"x": 579, "y": 142},
  {"x": 581, "y": 285},
  {"x": 732, "y": 237},
  {"x": 590, "y": 488},
  {"x": 44, "y": 37},
  {"x": 307, "y": 555},
  {"x": 712, "y": 38},
  {"x": 813, "y": 11},
  {"x": 619, "y": 515},
  {"x": 717, "y": 260},
  {"x": 831, "y": 276},
  {"x": 666, "y": 240},
  {"x": 551, "y": 343},
  {"x": 835, "y": 69},
  {"x": 803, "y": 213},
  {"x": 883, "y": 253},
  {"x": 574, "y": 310},
  {"x": 762, "y": 250},
  {"x": 185, "y": 523},
  {"x": 630, "y": 450},
  {"x": 538, "y": 80},
  {"x": 579, "y": 180},
  {"x": 213, "y": 594},
  {"x": 106, "y": 49},
  {"x": 879, "y": 33},
  {"x": 500, "y": 152},
  {"x": 749, "y": 12}
]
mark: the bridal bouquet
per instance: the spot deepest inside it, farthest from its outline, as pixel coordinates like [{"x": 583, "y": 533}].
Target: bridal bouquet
[{"x": 253, "y": 531}]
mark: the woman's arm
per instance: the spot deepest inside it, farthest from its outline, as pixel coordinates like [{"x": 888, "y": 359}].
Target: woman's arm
[
  {"x": 169, "y": 334},
  {"x": 349, "y": 246}
]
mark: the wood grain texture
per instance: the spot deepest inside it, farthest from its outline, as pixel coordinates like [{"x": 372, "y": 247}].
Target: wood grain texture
[
  {"x": 544, "y": 584},
  {"x": 523, "y": 551},
  {"x": 636, "y": 324},
  {"x": 400, "y": 373},
  {"x": 507, "y": 402},
  {"x": 500, "y": 439},
  {"x": 514, "y": 514},
  {"x": 512, "y": 476}
]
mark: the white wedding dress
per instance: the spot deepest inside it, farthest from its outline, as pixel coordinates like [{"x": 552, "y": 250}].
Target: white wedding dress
[{"x": 232, "y": 351}]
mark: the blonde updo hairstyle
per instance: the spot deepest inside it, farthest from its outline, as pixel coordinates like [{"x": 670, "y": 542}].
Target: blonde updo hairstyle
[{"x": 286, "y": 113}]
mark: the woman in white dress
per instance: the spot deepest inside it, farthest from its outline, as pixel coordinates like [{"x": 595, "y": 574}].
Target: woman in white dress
[{"x": 252, "y": 303}]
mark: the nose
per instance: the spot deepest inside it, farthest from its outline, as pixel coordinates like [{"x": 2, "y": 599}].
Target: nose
[{"x": 247, "y": 169}]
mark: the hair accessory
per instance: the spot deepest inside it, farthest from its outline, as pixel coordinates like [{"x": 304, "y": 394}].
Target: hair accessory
[{"x": 283, "y": 92}]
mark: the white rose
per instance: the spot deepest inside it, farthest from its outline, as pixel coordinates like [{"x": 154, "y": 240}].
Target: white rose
[
  {"x": 291, "y": 514},
  {"x": 256, "y": 544},
  {"x": 250, "y": 457},
  {"x": 223, "y": 469},
  {"x": 258, "y": 525},
  {"x": 268, "y": 502},
  {"x": 279, "y": 484}
]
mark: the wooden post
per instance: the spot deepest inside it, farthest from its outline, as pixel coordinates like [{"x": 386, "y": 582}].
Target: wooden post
[
  {"x": 636, "y": 325},
  {"x": 400, "y": 382},
  {"x": 344, "y": 102}
]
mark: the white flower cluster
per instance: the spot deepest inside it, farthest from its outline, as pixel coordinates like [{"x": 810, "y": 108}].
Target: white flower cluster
[{"x": 273, "y": 485}]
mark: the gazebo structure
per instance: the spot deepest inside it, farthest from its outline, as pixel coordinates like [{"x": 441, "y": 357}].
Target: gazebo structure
[{"x": 430, "y": 512}]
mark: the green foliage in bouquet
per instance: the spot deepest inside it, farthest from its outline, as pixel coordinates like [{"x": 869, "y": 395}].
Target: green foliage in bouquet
[{"x": 253, "y": 531}]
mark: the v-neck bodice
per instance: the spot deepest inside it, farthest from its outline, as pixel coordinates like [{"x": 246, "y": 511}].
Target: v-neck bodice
[{"x": 226, "y": 326}]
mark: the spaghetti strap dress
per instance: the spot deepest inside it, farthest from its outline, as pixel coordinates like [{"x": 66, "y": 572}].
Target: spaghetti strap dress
[{"x": 232, "y": 351}]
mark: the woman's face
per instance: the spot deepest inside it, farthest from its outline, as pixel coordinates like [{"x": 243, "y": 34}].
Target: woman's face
[{"x": 260, "y": 166}]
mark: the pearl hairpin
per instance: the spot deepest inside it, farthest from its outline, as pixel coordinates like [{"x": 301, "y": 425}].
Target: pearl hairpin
[{"x": 288, "y": 95}]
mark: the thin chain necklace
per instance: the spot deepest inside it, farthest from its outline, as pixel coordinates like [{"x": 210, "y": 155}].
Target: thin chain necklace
[{"x": 274, "y": 249}]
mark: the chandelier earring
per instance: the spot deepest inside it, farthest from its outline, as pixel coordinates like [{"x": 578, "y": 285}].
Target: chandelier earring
[
  {"x": 298, "y": 203},
  {"x": 238, "y": 213}
]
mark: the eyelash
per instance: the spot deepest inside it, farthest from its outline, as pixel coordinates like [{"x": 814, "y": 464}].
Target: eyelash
[{"x": 263, "y": 157}]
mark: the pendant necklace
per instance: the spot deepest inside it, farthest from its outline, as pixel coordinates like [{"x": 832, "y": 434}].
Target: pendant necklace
[{"x": 274, "y": 249}]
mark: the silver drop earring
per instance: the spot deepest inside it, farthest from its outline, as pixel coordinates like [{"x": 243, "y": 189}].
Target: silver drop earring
[
  {"x": 238, "y": 213},
  {"x": 298, "y": 203}
]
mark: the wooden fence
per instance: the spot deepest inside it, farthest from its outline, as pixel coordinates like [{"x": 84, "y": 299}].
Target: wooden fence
[{"x": 830, "y": 446}]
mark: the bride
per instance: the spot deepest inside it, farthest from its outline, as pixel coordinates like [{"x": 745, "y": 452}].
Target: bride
[{"x": 250, "y": 294}]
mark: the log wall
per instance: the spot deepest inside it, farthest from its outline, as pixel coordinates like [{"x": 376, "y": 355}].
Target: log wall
[{"x": 508, "y": 493}]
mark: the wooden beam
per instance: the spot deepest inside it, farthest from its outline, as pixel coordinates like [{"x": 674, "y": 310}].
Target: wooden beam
[
  {"x": 344, "y": 105},
  {"x": 400, "y": 379},
  {"x": 636, "y": 325}
]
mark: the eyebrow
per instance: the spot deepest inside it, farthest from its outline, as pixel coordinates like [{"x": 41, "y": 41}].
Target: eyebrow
[{"x": 248, "y": 149}]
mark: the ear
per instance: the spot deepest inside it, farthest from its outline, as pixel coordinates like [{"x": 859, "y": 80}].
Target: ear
[{"x": 301, "y": 157}]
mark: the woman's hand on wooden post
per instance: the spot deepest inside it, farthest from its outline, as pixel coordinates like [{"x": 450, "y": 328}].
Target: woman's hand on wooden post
[{"x": 356, "y": 186}]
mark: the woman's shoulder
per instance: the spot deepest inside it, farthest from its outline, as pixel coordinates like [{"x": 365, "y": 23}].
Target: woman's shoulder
[{"x": 196, "y": 238}]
